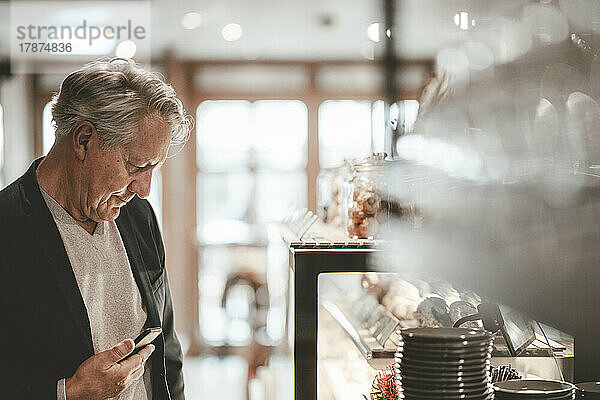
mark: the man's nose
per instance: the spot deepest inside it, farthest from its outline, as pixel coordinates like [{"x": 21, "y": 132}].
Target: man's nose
[{"x": 141, "y": 184}]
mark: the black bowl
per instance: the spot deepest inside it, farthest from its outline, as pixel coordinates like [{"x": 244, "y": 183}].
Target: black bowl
[
  {"x": 445, "y": 335},
  {"x": 444, "y": 355},
  {"x": 416, "y": 361},
  {"x": 444, "y": 375},
  {"x": 533, "y": 389}
]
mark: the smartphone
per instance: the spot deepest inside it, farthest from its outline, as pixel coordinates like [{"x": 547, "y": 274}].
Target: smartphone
[{"x": 144, "y": 339}]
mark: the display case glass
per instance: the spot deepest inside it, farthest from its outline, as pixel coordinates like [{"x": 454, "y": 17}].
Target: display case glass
[{"x": 360, "y": 316}]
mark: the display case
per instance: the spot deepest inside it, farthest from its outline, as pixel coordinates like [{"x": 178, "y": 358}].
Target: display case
[
  {"x": 346, "y": 310},
  {"x": 360, "y": 316}
]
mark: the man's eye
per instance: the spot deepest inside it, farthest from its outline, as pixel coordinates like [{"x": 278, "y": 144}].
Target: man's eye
[{"x": 135, "y": 168}]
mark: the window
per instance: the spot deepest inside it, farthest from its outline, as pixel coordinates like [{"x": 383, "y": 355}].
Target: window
[
  {"x": 344, "y": 131},
  {"x": 350, "y": 129},
  {"x": 48, "y": 136},
  {"x": 251, "y": 159}
]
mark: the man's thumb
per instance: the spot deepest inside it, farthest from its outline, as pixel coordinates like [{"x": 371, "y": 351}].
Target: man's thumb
[{"x": 121, "y": 350}]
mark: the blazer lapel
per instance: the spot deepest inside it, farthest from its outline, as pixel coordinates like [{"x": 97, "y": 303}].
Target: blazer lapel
[
  {"x": 48, "y": 238},
  {"x": 129, "y": 236}
]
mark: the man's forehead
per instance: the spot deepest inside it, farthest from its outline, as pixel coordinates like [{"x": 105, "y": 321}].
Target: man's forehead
[{"x": 151, "y": 142}]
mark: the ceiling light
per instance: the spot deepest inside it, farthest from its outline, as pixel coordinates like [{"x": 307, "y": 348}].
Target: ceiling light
[
  {"x": 373, "y": 32},
  {"x": 461, "y": 20},
  {"x": 464, "y": 20},
  {"x": 125, "y": 49},
  {"x": 232, "y": 32},
  {"x": 191, "y": 20}
]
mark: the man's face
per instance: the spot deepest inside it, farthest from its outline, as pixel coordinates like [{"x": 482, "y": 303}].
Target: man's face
[{"x": 113, "y": 177}]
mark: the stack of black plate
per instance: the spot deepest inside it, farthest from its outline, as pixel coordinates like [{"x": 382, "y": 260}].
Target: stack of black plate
[
  {"x": 588, "y": 390},
  {"x": 530, "y": 389},
  {"x": 444, "y": 363}
]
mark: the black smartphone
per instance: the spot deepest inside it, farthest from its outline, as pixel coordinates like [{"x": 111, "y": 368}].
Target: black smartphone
[{"x": 144, "y": 339}]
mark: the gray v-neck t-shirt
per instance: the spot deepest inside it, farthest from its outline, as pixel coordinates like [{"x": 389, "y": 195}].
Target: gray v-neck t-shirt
[{"x": 106, "y": 283}]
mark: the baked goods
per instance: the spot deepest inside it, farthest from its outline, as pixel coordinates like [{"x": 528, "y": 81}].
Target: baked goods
[
  {"x": 371, "y": 283},
  {"x": 471, "y": 297},
  {"x": 366, "y": 204},
  {"x": 433, "y": 312},
  {"x": 422, "y": 304},
  {"x": 402, "y": 299},
  {"x": 445, "y": 291},
  {"x": 460, "y": 309}
]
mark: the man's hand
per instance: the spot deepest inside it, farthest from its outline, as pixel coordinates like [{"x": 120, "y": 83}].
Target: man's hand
[{"x": 102, "y": 376}]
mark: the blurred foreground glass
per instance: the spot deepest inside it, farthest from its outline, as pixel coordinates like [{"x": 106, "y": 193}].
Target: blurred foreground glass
[{"x": 505, "y": 175}]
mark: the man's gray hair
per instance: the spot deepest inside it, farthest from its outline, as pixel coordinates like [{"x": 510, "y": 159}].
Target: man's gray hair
[{"x": 114, "y": 95}]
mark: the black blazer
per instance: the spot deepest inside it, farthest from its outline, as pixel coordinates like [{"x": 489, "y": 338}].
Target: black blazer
[{"x": 44, "y": 327}]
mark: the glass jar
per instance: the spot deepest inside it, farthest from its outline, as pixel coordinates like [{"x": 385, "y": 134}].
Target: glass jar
[
  {"x": 330, "y": 194},
  {"x": 367, "y": 198}
]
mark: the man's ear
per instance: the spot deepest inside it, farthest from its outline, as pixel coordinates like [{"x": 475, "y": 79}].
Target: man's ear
[{"x": 82, "y": 136}]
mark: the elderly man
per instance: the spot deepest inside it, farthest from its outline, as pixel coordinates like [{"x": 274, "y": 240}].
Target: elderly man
[{"x": 82, "y": 263}]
